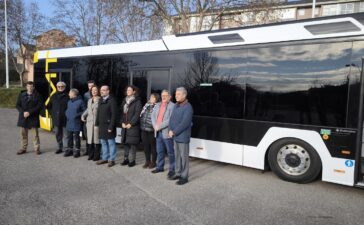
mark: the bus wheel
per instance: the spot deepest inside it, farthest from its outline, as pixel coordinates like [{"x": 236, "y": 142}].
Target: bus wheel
[{"x": 294, "y": 160}]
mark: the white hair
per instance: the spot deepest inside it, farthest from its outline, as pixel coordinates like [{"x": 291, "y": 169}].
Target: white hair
[
  {"x": 61, "y": 83},
  {"x": 75, "y": 91},
  {"x": 182, "y": 89}
]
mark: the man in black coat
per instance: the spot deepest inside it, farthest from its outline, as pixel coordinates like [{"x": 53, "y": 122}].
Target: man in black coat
[
  {"x": 106, "y": 121},
  {"x": 57, "y": 107},
  {"x": 29, "y": 104}
]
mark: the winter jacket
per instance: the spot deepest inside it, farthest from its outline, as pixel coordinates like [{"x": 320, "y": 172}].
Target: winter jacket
[
  {"x": 166, "y": 117},
  {"x": 32, "y": 104},
  {"x": 106, "y": 118},
  {"x": 180, "y": 122},
  {"x": 146, "y": 119},
  {"x": 131, "y": 135},
  {"x": 90, "y": 115},
  {"x": 57, "y": 107},
  {"x": 75, "y": 108}
]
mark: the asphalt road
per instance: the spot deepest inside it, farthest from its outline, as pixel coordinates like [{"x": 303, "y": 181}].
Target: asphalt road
[{"x": 51, "y": 189}]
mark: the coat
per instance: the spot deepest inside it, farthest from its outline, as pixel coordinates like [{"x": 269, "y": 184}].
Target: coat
[
  {"x": 106, "y": 118},
  {"x": 75, "y": 108},
  {"x": 57, "y": 107},
  {"x": 166, "y": 116},
  {"x": 32, "y": 104},
  {"x": 131, "y": 135},
  {"x": 181, "y": 122},
  {"x": 146, "y": 118},
  {"x": 90, "y": 115}
]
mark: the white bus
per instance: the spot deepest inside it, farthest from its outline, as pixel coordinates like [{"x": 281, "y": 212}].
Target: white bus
[{"x": 286, "y": 97}]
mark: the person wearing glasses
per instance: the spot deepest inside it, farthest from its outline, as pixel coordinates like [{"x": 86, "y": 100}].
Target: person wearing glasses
[{"x": 57, "y": 107}]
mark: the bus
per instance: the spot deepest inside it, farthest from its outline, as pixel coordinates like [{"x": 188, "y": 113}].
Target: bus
[{"x": 286, "y": 97}]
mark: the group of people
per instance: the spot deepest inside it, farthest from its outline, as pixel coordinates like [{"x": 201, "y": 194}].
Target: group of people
[{"x": 160, "y": 125}]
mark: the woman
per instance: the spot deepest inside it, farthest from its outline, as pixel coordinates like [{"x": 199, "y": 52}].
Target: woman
[
  {"x": 148, "y": 131},
  {"x": 89, "y": 116},
  {"x": 131, "y": 108}
]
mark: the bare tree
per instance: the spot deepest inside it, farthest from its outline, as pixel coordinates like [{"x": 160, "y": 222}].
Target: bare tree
[
  {"x": 134, "y": 20},
  {"x": 24, "y": 23},
  {"x": 87, "y": 20}
]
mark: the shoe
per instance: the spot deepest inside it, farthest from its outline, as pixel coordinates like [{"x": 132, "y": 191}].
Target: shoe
[
  {"x": 157, "y": 171},
  {"x": 77, "y": 154},
  {"x": 21, "y": 151},
  {"x": 182, "y": 181},
  {"x": 125, "y": 162},
  {"x": 59, "y": 151},
  {"x": 152, "y": 165},
  {"x": 68, "y": 153},
  {"x": 171, "y": 174},
  {"x": 111, "y": 163},
  {"x": 100, "y": 162},
  {"x": 131, "y": 164},
  {"x": 146, "y": 164},
  {"x": 175, "y": 177},
  {"x": 38, "y": 152}
]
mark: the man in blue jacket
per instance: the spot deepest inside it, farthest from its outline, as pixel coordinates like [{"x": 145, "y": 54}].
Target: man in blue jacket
[{"x": 180, "y": 125}]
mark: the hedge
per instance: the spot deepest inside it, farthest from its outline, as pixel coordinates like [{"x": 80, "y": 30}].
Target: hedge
[{"x": 9, "y": 96}]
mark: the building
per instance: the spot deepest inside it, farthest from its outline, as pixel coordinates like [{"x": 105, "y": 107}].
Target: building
[{"x": 263, "y": 12}]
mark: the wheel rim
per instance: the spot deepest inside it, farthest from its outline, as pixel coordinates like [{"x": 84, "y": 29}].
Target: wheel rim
[{"x": 293, "y": 159}]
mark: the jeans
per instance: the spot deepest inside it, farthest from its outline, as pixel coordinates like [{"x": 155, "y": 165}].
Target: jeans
[
  {"x": 108, "y": 144},
  {"x": 162, "y": 144},
  {"x": 61, "y": 133},
  {"x": 74, "y": 136}
]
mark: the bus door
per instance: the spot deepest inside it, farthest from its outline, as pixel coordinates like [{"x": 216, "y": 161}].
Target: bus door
[
  {"x": 151, "y": 80},
  {"x": 64, "y": 75}
]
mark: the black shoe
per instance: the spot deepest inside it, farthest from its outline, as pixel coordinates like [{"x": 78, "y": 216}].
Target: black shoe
[
  {"x": 182, "y": 181},
  {"x": 131, "y": 164},
  {"x": 68, "y": 153},
  {"x": 171, "y": 174},
  {"x": 174, "y": 177},
  {"x": 77, "y": 154},
  {"x": 125, "y": 162},
  {"x": 59, "y": 151},
  {"x": 157, "y": 171}
]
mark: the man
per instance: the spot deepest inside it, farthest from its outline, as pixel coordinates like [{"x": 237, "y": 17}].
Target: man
[
  {"x": 75, "y": 108},
  {"x": 57, "y": 107},
  {"x": 106, "y": 121},
  {"x": 160, "y": 120},
  {"x": 180, "y": 129},
  {"x": 86, "y": 97},
  {"x": 29, "y": 104}
]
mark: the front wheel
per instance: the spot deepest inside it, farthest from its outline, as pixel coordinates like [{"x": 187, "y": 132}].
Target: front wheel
[{"x": 294, "y": 160}]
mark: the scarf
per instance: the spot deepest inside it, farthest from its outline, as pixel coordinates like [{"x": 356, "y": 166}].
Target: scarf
[
  {"x": 146, "y": 107},
  {"x": 128, "y": 100}
]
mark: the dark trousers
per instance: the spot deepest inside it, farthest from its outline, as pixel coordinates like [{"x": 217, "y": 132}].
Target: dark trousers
[
  {"x": 60, "y": 133},
  {"x": 149, "y": 146},
  {"x": 74, "y": 138},
  {"x": 94, "y": 151}
]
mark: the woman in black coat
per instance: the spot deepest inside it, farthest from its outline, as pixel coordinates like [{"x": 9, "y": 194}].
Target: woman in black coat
[{"x": 130, "y": 119}]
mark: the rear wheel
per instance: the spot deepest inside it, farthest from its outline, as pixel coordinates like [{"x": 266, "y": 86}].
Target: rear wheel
[{"x": 294, "y": 160}]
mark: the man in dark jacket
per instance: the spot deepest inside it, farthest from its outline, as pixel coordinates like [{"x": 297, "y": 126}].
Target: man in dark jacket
[
  {"x": 57, "y": 107},
  {"x": 180, "y": 125},
  {"x": 106, "y": 121},
  {"x": 29, "y": 104},
  {"x": 75, "y": 108}
]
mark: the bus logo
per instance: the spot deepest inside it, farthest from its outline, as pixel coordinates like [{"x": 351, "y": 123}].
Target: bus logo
[{"x": 349, "y": 163}]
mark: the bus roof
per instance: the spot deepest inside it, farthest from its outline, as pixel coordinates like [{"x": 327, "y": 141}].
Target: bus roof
[{"x": 323, "y": 27}]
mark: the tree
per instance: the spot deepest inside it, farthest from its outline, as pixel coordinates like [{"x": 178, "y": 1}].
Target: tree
[
  {"x": 24, "y": 23},
  {"x": 134, "y": 20},
  {"x": 196, "y": 15}
]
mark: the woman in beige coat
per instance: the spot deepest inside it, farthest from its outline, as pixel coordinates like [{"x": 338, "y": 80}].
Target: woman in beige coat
[{"x": 89, "y": 116}]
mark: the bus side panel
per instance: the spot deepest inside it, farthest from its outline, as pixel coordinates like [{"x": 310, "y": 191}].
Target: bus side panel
[{"x": 336, "y": 170}]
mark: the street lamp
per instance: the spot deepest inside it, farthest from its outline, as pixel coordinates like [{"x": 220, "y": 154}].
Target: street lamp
[
  {"x": 313, "y": 8},
  {"x": 6, "y": 48}
]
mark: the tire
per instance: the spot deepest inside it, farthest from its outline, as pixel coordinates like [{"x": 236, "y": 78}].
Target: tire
[{"x": 294, "y": 160}]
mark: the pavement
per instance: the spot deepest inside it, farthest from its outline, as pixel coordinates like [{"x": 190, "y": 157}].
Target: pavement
[{"x": 51, "y": 189}]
